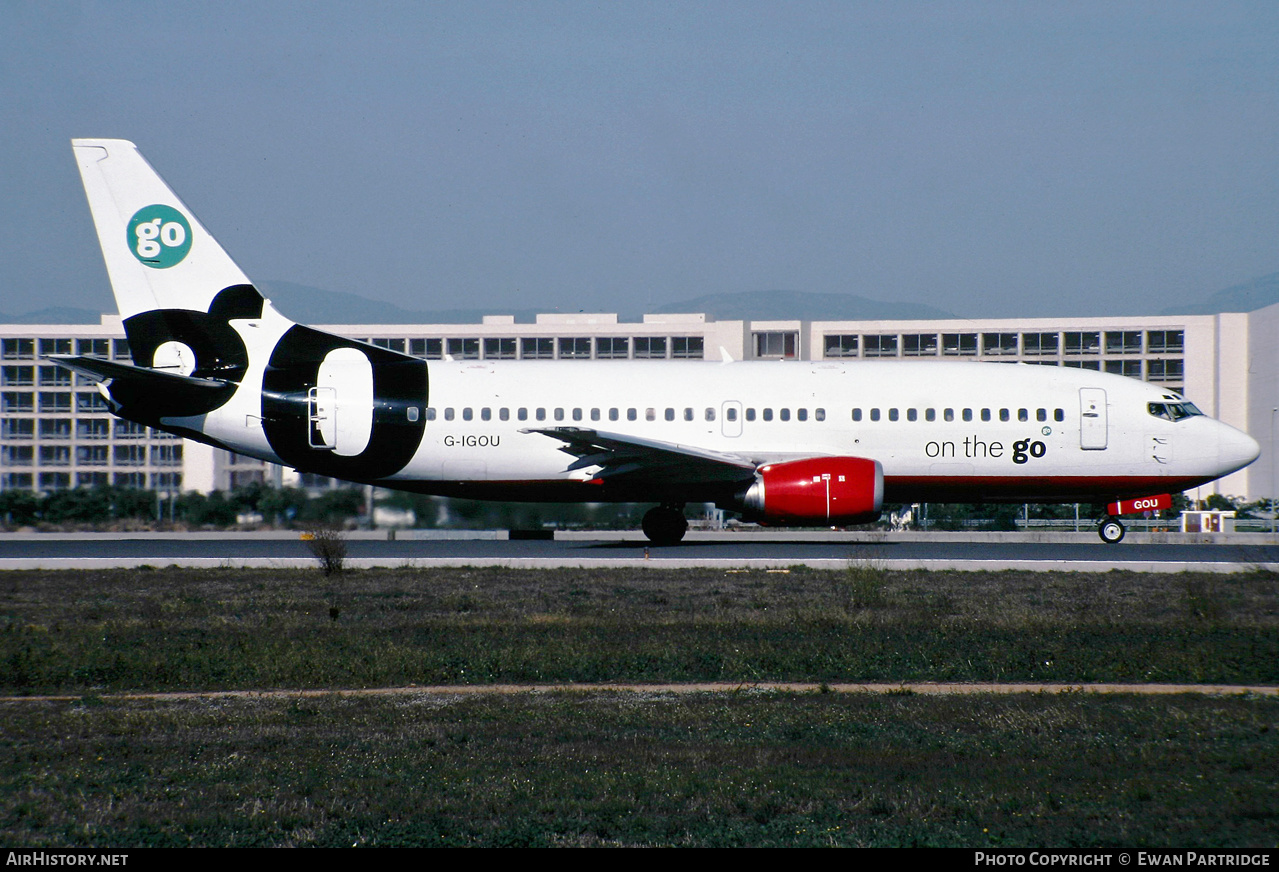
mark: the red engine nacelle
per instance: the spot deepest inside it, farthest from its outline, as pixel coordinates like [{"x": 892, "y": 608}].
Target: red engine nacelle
[{"x": 816, "y": 490}]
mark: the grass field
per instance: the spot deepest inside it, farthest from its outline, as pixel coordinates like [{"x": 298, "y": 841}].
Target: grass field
[{"x": 588, "y": 768}]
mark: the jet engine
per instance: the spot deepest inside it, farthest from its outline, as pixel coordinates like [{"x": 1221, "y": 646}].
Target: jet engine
[{"x": 815, "y": 491}]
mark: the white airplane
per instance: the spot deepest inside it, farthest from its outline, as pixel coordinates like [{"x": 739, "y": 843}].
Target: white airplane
[{"x": 815, "y": 444}]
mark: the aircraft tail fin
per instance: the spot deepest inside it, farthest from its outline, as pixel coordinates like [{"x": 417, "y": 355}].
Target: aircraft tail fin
[
  {"x": 177, "y": 290},
  {"x": 158, "y": 255},
  {"x": 214, "y": 361}
]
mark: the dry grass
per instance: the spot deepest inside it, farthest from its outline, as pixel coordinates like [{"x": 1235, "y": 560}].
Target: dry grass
[
  {"x": 609, "y": 769},
  {"x": 244, "y": 629},
  {"x": 602, "y": 769}
]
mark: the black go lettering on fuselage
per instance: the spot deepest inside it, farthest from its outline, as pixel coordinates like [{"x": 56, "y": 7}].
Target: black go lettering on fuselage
[
  {"x": 1024, "y": 449},
  {"x": 399, "y": 383}
]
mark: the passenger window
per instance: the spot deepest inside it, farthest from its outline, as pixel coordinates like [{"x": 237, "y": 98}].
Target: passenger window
[
  {"x": 486, "y": 414},
  {"x": 595, "y": 414},
  {"x": 577, "y": 414},
  {"x": 670, "y": 414},
  {"x": 930, "y": 414},
  {"x": 1059, "y": 414},
  {"x": 768, "y": 414},
  {"x": 801, "y": 414},
  {"x": 504, "y": 414},
  {"x": 912, "y": 415},
  {"x": 857, "y": 414},
  {"x": 1041, "y": 414},
  {"x": 750, "y": 414},
  {"x": 632, "y": 414},
  {"x": 710, "y": 413},
  {"x": 731, "y": 413},
  {"x": 1023, "y": 415},
  {"x": 467, "y": 414},
  {"x": 430, "y": 413},
  {"x": 448, "y": 414},
  {"x": 784, "y": 414},
  {"x": 985, "y": 414},
  {"x": 613, "y": 414},
  {"x": 874, "y": 414},
  {"x": 892, "y": 414},
  {"x": 650, "y": 414},
  {"x": 522, "y": 414},
  {"x": 948, "y": 415},
  {"x": 559, "y": 414},
  {"x": 968, "y": 414},
  {"x": 1003, "y": 415},
  {"x": 688, "y": 414},
  {"x": 819, "y": 414},
  {"x": 541, "y": 414}
]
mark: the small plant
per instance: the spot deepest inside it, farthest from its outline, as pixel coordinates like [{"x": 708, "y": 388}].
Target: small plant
[{"x": 329, "y": 547}]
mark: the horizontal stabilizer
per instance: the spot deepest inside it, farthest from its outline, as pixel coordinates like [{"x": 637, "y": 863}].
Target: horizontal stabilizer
[{"x": 137, "y": 389}]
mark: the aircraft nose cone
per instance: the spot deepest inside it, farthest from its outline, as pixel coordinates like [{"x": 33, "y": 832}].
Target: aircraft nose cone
[{"x": 1236, "y": 449}]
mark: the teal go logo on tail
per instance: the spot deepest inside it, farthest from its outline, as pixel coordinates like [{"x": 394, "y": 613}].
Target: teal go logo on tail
[{"x": 159, "y": 236}]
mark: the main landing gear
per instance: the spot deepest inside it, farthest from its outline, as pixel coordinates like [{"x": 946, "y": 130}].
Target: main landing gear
[
  {"x": 665, "y": 525},
  {"x": 1111, "y": 530}
]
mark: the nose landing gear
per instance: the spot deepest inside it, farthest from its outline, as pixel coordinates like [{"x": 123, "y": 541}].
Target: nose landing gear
[
  {"x": 665, "y": 525},
  {"x": 1111, "y": 530}
]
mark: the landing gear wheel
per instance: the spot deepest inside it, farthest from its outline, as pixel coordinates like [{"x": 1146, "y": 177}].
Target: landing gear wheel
[
  {"x": 1111, "y": 531},
  {"x": 665, "y": 525}
]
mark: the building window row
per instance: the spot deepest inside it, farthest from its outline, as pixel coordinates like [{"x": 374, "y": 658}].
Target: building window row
[
  {"x": 91, "y": 455},
  {"x": 47, "y": 481},
  {"x": 61, "y": 429},
  {"x": 1071, "y": 343},
  {"x": 52, "y": 402},
  {"x": 549, "y": 347},
  {"x": 27, "y": 348}
]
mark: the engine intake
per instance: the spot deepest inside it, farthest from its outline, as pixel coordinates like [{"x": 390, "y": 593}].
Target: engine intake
[{"x": 821, "y": 490}]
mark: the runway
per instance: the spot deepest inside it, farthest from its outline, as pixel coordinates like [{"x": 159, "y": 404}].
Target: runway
[{"x": 819, "y": 550}]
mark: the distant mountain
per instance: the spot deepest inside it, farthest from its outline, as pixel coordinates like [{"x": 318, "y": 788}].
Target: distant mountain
[
  {"x": 316, "y": 306},
  {"x": 54, "y": 315},
  {"x": 1248, "y": 297},
  {"x": 801, "y": 306},
  {"x": 311, "y": 305}
]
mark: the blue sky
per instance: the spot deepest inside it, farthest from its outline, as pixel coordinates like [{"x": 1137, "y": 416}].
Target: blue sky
[{"x": 986, "y": 158}]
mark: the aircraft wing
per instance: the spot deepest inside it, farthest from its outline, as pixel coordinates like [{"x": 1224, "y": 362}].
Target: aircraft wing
[{"x": 620, "y": 457}]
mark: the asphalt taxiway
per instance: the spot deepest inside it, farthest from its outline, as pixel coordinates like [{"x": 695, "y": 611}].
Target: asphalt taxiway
[{"x": 1080, "y": 552}]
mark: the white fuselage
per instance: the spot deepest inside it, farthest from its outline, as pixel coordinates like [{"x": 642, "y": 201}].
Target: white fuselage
[{"x": 950, "y": 430}]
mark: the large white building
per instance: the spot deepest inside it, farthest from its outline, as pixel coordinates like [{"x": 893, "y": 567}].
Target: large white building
[{"x": 55, "y": 431}]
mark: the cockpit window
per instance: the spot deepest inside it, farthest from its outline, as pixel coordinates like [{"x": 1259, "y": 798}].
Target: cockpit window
[{"x": 1173, "y": 411}]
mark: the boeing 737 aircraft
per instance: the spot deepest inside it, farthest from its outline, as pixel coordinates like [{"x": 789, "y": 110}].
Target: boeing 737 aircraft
[{"x": 815, "y": 444}]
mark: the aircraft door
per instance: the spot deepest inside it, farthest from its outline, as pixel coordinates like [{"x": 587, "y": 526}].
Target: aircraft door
[
  {"x": 340, "y": 406},
  {"x": 322, "y": 418},
  {"x": 731, "y": 418},
  {"x": 1092, "y": 419}
]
